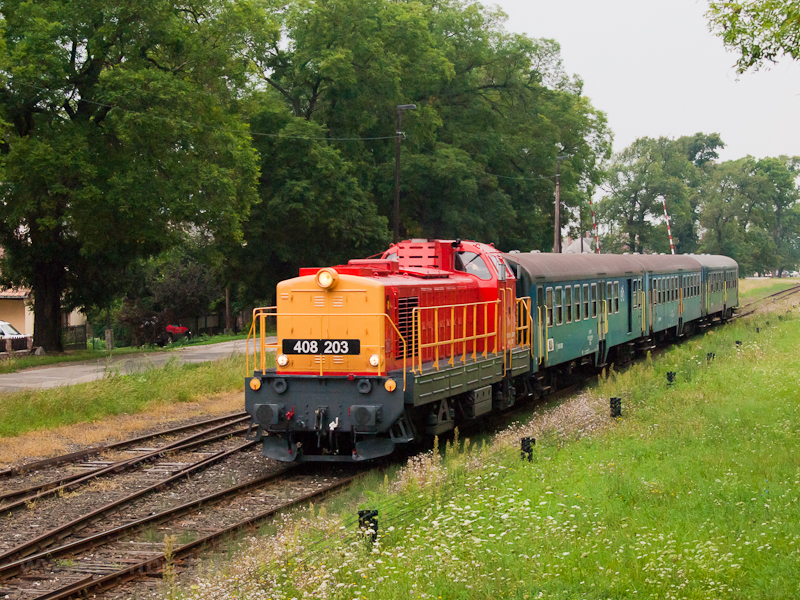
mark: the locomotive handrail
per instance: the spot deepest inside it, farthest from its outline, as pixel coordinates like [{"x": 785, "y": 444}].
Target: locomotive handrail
[
  {"x": 416, "y": 321},
  {"x": 262, "y": 313},
  {"x": 525, "y": 304}
]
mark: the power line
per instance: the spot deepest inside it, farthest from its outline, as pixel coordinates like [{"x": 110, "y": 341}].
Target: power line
[{"x": 221, "y": 129}]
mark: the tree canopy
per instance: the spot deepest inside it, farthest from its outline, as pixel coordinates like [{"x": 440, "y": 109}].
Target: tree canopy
[
  {"x": 758, "y": 30},
  {"x": 747, "y": 209},
  {"x": 120, "y": 128}
]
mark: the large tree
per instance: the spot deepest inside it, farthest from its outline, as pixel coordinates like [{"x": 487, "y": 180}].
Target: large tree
[
  {"x": 494, "y": 110},
  {"x": 120, "y": 131},
  {"x": 647, "y": 175},
  {"x": 758, "y": 30},
  {"x": 750, "y": 212}
]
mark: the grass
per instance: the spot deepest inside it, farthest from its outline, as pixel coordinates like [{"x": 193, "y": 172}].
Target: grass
[
  {"x": 16, "y": 363},
  {"x": 118, "y": 394},
  {"x": 694, "y": 493},
  {"x": 755, "y": 289}
]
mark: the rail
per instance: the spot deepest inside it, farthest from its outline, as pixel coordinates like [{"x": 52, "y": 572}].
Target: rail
[{"x": 260, "y": 346}]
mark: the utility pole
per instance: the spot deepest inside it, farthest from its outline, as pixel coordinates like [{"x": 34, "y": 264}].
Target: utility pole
[
  {"x": 398, "y": 136},
  {"x": 557, "y": 232}
]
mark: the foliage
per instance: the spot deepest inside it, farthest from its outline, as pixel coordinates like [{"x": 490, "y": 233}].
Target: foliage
[
  {"x": 760, "y": 31},
  {"x": 750, "y": 212},
  {"x": 121, "y": 126},
  {"x": 478, "y": 155},
  {"x": 170, "y": 289},
  {"x": 645, "y": 174}
]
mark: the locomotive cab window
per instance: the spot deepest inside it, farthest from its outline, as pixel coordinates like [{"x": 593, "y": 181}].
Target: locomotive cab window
[{"x": 473, "y": 263}]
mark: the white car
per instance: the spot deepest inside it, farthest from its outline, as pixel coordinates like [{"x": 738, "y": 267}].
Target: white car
[{"x": 9, "y": 332}]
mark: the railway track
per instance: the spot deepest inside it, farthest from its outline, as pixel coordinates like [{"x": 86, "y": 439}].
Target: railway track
[
  {"x": 115, "y": 446},
  {"x": 116, "y": 555},
  {"x": 776, "y": 297},
  {"x": 17, "y": 498}
]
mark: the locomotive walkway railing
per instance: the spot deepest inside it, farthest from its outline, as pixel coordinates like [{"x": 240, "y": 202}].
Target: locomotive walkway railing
[
  {"x": 258, "y": 332},
  {"x": 458, "y": 339}
]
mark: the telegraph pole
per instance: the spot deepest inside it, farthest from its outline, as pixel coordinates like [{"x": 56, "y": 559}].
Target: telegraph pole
[
  {"x": 398, "y": 136},
  {"x": 557, "y": 232}
]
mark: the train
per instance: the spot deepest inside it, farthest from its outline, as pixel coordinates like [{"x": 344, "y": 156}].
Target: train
[{"x": 387, "y": 351}]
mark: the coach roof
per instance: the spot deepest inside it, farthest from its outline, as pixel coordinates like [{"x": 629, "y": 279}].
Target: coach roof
[
  {"x": 567, "y": 267},
  {"x": 715, "y": 261}
]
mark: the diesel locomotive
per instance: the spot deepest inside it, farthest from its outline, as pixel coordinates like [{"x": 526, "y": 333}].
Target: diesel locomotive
[{"x": 432, "y": 333}]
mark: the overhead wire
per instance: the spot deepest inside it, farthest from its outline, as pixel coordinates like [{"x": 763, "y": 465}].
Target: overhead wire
[{"x": 214, "y": 128}]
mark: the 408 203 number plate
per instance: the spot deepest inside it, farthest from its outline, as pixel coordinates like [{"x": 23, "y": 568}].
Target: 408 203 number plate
[{"x": 337, "y": 347}]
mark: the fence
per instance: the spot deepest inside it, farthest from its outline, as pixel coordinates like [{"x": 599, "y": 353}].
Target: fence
[{"x": 74, "y": 337}]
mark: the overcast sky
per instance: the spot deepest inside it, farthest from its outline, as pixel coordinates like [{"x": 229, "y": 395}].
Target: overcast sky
[{"x": 654, "y": 68}]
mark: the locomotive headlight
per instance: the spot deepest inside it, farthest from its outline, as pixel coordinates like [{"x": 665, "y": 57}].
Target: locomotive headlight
[
  {"x": 327, "y": 278},
  {"x": 283, "y": 360},
  {"x": 374, "y": 360}
]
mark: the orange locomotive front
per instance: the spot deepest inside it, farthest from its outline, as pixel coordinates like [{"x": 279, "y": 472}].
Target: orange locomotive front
[{"x": 383, "y": 351}]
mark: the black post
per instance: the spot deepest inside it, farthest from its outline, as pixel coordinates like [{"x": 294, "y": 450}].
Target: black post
[
  {"x": 616, "y": 407},
  {"x": 526, "y": 445},
  {"x": 368, "y": 519}
]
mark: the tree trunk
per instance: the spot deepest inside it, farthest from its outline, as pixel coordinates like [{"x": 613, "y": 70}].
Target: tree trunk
[
  {"x": 48, "y": 288},
  {"x": 228, "y": 321}
]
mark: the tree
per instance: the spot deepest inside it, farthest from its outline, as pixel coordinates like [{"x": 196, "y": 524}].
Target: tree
[
  {"x": 759, "y": 30},
  {"x": 648, "y": 174},
  {"x": 479, "y": 154},
  {"x": 120, "y": 130},
  {"x": 750, "y": 212}
]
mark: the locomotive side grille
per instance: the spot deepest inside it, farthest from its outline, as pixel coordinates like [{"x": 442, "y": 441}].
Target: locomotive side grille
[
  {"x": 319, "y": 301},
  {"x": 338, "y": 301},
  {"x": 405, "y": 325}
]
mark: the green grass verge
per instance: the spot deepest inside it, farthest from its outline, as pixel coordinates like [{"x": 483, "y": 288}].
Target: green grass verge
[
  {"x": 18, "y": 363},
  {"x": 692, "y": 494},
  {"x": 117, "y": 394},
  {"x": 756, "y": 289}
]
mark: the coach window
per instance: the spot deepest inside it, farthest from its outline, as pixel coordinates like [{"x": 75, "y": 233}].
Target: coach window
[
  {"x": 559, "y": 304},
  {"x": 577, "y": 300},
  {"x": 616, "y": 296},
  {"x": 585, "y": 300},
  {"x": 568, "y": 303},
  {"x": 473, "y": 263},
  {"x": 549, "y": 308},
  {"x": 594, "y": 300}
]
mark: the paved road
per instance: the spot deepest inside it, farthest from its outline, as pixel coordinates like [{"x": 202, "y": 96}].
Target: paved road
[{"x": 81, "y": 372}]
